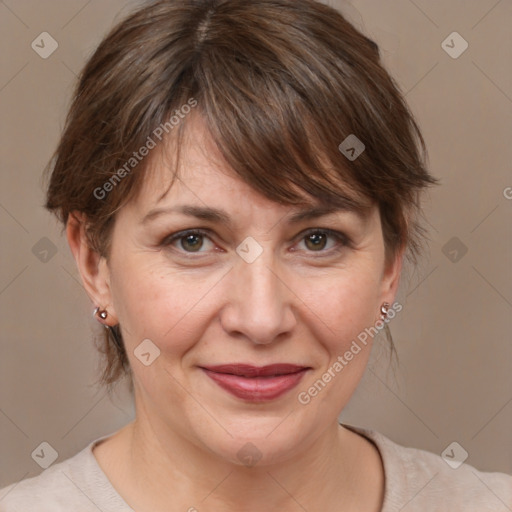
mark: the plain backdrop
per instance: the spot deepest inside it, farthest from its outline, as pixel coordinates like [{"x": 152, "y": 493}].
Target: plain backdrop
[{"x": 453, "y": 336}]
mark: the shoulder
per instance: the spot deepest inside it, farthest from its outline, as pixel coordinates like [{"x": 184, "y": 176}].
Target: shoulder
[
  {"x": 44, "y": 491},
  {"x": 417, "y": 480},
  {"x": 77, "y": 480}
]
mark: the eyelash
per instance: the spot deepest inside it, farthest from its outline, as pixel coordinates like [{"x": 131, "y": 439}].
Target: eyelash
[{"x": 342, "y": 239}]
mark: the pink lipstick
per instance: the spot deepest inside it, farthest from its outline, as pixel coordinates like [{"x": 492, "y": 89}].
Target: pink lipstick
[{"x": 256, "y": 384}]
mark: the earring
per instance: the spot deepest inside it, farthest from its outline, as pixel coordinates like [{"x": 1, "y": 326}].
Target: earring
[
  {"x": 101, "y": 313},
  {"x": 384, "y": 310},
  {"x": 115, "y": 336}
]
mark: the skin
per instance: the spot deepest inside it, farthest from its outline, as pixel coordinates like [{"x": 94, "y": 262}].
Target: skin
[{"x": 296, "y": 303}]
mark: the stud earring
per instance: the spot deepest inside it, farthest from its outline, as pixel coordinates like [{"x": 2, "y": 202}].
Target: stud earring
[
  {"x": 114, "y": 334},
  {"x": 101, "y": 313},
  {"x": 384, "y": 310}
]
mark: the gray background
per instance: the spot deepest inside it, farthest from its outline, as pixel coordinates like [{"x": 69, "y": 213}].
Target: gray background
[{"x": 454, "y": 381}]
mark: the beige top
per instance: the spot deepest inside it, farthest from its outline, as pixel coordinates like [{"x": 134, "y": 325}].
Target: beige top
[{"x": 415, "y": 481}]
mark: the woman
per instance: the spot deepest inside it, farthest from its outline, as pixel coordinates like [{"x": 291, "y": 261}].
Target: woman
[{"x": 240, "y": 183}]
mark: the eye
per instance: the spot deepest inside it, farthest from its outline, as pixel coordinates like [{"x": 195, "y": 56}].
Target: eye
[
  {"x": 316, "y": 240},
  {"x": 190, "y": 241}
]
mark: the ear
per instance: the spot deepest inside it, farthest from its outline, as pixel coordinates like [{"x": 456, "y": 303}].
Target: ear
[
  {"x": 92, "y": 267},
  {"x": 391, "y": 276}
]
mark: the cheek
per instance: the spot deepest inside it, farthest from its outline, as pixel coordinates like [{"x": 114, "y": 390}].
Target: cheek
[
  {"x": 343, "y": 310},
  {"x": 344, "y": 304},
  {"x": 152, "y": 301}
]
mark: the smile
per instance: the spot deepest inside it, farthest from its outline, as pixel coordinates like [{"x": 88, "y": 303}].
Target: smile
[{"x": 256, "y": 384}]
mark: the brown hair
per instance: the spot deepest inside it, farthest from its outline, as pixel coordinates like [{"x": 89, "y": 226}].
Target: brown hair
[{"x": 279, "y": 83}]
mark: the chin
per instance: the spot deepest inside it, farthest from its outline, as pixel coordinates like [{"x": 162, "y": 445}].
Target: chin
[
  {"x": 256, "y": 452},
  {"x": 254, "y": 442}
]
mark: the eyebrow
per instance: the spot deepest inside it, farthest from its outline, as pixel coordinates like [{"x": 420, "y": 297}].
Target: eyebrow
[{"x": 217, "y": 215}]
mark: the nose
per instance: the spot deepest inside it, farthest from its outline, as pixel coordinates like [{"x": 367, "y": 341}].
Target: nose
[{"x": 259, "y": 302}]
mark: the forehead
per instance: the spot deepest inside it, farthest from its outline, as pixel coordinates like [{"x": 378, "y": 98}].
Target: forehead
[{"x": 204, "y": 179}]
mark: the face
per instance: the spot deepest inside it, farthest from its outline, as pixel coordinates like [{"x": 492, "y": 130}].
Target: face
[{"x": 256, "y": 289}]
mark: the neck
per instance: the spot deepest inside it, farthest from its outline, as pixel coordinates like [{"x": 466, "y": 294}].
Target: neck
[{"x": 331, "y": 473}]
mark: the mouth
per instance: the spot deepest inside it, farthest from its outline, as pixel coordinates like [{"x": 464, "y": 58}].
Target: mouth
[{"x": 256, "y": 384}]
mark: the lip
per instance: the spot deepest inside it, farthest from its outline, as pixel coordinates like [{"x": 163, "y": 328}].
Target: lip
[{"x": 256, "y": 384}]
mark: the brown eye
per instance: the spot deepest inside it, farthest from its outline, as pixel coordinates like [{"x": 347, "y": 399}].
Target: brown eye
[
  {"x": 193, "y": 242},
  {"x": 316, "y": 241},
  {"x": 189, "y": 241}
]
